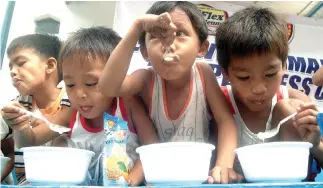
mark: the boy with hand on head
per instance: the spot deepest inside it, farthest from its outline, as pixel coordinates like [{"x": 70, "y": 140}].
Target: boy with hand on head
[
  {"x": 83, "y": 57},
  {"x": 33, "y": 69},
  {"x": 177, "y": 90},
  {"x": 252, "y": 48}
]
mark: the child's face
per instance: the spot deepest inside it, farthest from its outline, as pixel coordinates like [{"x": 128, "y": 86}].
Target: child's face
[
  {"x": 27, "y": 70},
  {"x": 81, "y": 78},
  {"x": 186, "y": 46},
  {"x": 255, "y": 79}
]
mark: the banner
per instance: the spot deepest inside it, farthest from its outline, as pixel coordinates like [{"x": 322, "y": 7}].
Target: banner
[{"x": 305, "y": 54}]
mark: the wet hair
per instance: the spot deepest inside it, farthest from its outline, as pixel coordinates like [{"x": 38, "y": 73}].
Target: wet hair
[
  {"x": 191, "y": 10},
  {"x": 44, "y": 45},
  {"x": 251, "y": 30},
  {"x": 94, "y": 42}
]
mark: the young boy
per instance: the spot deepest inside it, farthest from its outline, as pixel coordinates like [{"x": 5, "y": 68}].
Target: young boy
[
  {"x": 252, "y": 48},
  {"x": 83, "y": 57},
  {"x": 33, "y": 68},
  {"x": 179, "y": 93}
]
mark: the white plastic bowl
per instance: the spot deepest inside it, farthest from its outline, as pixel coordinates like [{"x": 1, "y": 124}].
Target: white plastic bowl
[
  {"x": 275, "y": 162},
  {"x": 4, "y": 161},
  {"x": 176, "y": 163},
  {"x": 56, "y": 165}
]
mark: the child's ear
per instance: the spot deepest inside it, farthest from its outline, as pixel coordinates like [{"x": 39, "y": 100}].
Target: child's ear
[
  {"x": 203, "y": 49},
  {"x": 144, "y": 52},
  {"x": 51, "y": 65}
]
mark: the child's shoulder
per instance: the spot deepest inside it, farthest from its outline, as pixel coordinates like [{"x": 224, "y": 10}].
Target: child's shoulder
[
  {"x": 296, "y": 94},
  {"x": 205, "y": 69}
]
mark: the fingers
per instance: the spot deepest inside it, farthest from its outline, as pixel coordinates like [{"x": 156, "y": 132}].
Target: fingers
[
  {"x": 216, "y": 174},
  {"x": 12, "y": 109},
  {"x": 306, "y": 114},
  {"x": 224, "y": 176},
  {"x": 18, "y": 123},
  {"x": 306, "y": 119},
  {"x": 15, "y": 117},
  {"x": 165, "y": 21}
]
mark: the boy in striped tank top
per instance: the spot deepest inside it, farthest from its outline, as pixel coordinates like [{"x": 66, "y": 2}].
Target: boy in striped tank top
[
  {"x": 252, "y": 49},
  {"x": 33, "y": 69},
  {"x": 83, "y": 57},
  {"x": 181, "y": 95}
]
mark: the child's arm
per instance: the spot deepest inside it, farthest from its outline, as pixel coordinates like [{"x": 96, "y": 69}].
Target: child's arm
[
  {"x": 146, "y": 134},
  {"x": 114, "y": 81},
  {"x": 8, "y": 150},
  {"x": 318, "y": 77},
  {"x": 227, "y": 129},
  {"x": 303, "y": 126},
  {"x": 24, "y": 135}
]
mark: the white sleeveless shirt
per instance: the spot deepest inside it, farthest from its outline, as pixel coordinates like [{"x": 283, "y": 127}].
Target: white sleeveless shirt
[
  {"x": 193, "y": 122},
  {"x": 245, "y": 136}
]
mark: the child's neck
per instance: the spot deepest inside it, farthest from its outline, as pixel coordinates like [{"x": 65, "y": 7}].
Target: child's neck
[
  {"x": 46, "y": 96},
  {"x": 257, "y": 124},
  {"x": 178, "y": 84}
]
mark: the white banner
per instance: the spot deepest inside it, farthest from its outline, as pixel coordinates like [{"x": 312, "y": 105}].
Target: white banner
[{"x": 305, "y": 55}]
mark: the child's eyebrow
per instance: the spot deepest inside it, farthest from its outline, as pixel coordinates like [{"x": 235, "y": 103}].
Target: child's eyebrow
[
  {"x": 67, "y": 77},
  {"x": 239, "y": 69},
  {"x": 274, "y": 65},
  {"x": 15, "y": 59},
  {"x": 91, "y": 75}
]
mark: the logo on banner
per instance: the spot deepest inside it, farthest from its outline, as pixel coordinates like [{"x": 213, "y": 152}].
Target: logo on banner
[
  {"x": 213, "y": 17},
  {"x": 291, "y": 29}
]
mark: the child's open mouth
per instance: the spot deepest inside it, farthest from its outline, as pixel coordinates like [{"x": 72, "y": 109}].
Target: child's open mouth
[
  {"x": 86, "y": 109},
  {"x": 258, "y": 102}
]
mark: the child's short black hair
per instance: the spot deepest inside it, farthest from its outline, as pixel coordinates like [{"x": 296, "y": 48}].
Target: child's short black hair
[
  {"x": 44, "y": 45},
  {"x": 251, "y": 30},
  {"x": 98, "y": 42},
  {"x": 191, "y": 10}
]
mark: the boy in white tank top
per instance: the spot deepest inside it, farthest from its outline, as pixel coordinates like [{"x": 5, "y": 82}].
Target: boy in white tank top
[
  {"x": 83, "y": 57},
  {"x": 252, "y": 49},
  {"x": 178, "y": 92}
]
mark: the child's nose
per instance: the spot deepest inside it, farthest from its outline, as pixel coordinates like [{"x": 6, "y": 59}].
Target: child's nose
[
  {"x": 259, "y": 89},
  {"x": 13, "y": 72},
  {"x": 80, "y": 94}
]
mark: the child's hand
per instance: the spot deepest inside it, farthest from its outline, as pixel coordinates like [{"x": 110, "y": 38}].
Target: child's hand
[
  {"x": 306, "y": 123},
  {"x": 159, "y": 26},
  {"x": 224, "y": 175},
  {"x": 15, "y": 118}
]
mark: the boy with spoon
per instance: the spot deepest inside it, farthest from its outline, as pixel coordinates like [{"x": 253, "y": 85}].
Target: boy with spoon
[
  {"x": 33, "y": 68},
  {"x": 252, "y": 49}
]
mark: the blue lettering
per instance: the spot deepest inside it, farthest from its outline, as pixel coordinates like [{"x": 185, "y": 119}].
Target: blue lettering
[
  {"x": 211, "y": 52},
  {"x": 313, "y": 65},
  {"x": 298, "y": 64},
  {"x": 284, "y": 79},
  {"x": 224, "y": 82},
  {"x": 318, "y": 94},
  {"x": 305, "y": 84},
  {"x": 294, "y": 80},
  {"x": 216, "y": 69}
]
